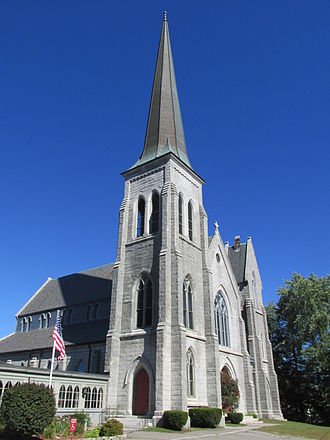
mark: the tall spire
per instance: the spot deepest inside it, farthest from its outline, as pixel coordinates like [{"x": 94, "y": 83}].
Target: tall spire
[{"x": 164, "y": 129}]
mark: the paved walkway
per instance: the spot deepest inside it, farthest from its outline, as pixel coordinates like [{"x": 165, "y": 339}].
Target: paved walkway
[{"x": 239, "y": 433}]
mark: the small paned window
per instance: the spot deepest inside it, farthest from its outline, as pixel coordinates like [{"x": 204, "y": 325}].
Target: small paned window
[
  {"x": 221, "y": 319},
  {"x": 87, "y": 397},
  {"x": 144, "y": 303},
  {"x": 188, "y": 320},
  {"x": 94, "y": 398},
  {"x": 75, "y": 401},
  {"x": 140, "y": 217},
  {"x": 61, "y": 397},
  {"x": 180, "y": 214},
  {"x": 68, "y": 399},
  {"x": 155, "y": 213},
  {"x": 100, "y": 398},
  {"x": 190, "y": 221},
  {"x": 190, "y": 374}
]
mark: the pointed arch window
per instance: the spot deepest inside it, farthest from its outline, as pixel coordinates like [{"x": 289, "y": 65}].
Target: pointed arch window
[
  {"x": 221, "y": 320},
  {"x": 188, "y": 319},
  {"x": 155, "y": 212},
  {"x": 68, "y": 399},
  {"x": 144, "y": 303},
  {"x": 100, "y": 398},
  {"x": 61, "y": 397},
  {"x": 75, "y": 401},
  {"x": 190, "y": 220},
  {"x": 180, "y": 214},
  {"x": 140, "y": 217},
  {"x": 190, "y": 374}
]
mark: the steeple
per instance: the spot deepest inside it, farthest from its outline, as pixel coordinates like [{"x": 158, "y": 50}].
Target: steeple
[{"x": 164, "y": 129}]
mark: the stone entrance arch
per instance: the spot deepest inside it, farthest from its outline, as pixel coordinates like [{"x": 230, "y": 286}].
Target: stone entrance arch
[{"x": 141, "y": 393}]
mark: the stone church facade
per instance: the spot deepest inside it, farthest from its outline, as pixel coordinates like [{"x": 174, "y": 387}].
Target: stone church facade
[{"x": 183, "y": 306}]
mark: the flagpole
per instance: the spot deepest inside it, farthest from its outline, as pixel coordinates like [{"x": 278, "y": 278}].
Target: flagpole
[
  {"x": 53, "y": 357},
  {"x": 52, "y": 366}
]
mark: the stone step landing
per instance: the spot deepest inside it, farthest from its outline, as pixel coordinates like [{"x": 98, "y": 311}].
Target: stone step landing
[{"x": 135, "y": 422}]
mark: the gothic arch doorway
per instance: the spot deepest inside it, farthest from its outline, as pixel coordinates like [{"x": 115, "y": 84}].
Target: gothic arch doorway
[{"x": 141, "y": 393}]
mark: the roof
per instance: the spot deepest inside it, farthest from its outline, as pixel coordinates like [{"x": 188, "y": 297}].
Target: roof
[
  {"x": 90, "y": 285},
  {"x": 237, "y": 259},
  {"x": 164, "y": 128},
  {"x": 81, "y": 333}
]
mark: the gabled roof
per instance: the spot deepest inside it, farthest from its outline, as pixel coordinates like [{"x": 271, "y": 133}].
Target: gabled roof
[
  {"x": 164, "y": 129},
  {"x": 82, "y": 287},
  {"x": 237, "y": 258},
  {"x": 81, "y": 333}
]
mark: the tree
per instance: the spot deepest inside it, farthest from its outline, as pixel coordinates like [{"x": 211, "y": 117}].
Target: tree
[
  {"x": 27, "y": 409},
  {"x": 229, "y": 391},
  {"x": 299, "y": 332}
]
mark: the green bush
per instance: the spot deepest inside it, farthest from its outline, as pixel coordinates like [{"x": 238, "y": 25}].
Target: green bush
[
  {"x": 93, "y": 433},
  {"x": 175, "y": 419},
  {"x": 235, "y": 417},
  {"x": 111, "y": 427},
  {"x": 27, "y": 409},
  {"x": 205, "y": 417},
  {"x": 50, "y": 430}
]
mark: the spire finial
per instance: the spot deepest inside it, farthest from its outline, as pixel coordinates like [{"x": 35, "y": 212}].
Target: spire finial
[{"x": 165, "y": 16}]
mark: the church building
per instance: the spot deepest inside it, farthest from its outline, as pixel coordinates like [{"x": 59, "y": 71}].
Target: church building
[{"x": 176, "y": 308}]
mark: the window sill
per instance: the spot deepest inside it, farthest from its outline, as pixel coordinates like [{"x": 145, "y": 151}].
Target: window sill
[
  {"x": 145, "y": 237},
  {"x": 191, "y": 242}
]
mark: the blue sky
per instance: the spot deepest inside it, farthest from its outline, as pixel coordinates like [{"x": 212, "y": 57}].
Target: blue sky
[{"x": 76, "y": 78}]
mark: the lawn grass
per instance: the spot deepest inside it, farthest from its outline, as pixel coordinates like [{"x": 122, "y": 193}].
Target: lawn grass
[
  {"x": 297, "y": 429},
  {"x": 157, "y": 429}
]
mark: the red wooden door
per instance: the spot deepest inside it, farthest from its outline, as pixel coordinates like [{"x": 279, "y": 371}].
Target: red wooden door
[{"x": 141, "y": 393}]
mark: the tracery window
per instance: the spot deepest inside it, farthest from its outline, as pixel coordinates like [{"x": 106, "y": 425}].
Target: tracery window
[
  {"x": 187, "y": 295},
  {"x": 190, "y": 220},
  {"x": 190, "y": 374},
  {"x": 144, "y": 303},
  {"x": 100, "y": 398},
  {"x": 221, "y": 320},
  {"x": 61, "y": 397},
  {"x": 180, "y": 214},
  {"x": 94, "y": 398},
  {"x": 140, "y": 217},
  {"x": 155, "y": 212},
  {"x": 68, "y": 399},
  {"x": 75, "y": 397},
  {"x": 86, "y": 393}
]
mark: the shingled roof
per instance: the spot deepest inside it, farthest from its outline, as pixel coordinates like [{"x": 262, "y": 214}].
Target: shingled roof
[
  {"x": 81, "y": 333},
  {"x": 237, "y": 258},
  {"x": 82, "y": 287}
]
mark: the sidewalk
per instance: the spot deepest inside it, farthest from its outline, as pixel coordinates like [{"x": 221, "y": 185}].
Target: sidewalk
[{"x": 239, "y": 433}]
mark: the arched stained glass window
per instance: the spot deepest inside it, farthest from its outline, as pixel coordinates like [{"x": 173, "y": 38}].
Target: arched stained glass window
[
  {"x": 190, "y": 374},
  {"x": 144, "y": 303},
  {"x": 61, "y": 397},
  {"x": 180, "y": 214},
  {"x": 190, "y": 220},
  {"x": 140, "y": 217},
  {"x": 155, "y": 213},
  {"x": 188, "y": 320},
  {"x": 221, "y": 320}
]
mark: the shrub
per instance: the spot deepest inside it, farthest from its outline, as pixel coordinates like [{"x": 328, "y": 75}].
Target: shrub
[
  {"x": 93, "y": 433},
  {"x": 111, "y": 427},
  {"x": 27, "y": 409},
  {"x": 235, "y": 417},
  {"x": 205, "y": 417},
  {"x": 175, "y": 419},
  {"x": 229, "y": 392},
  {"x": 50, "y": 430}
]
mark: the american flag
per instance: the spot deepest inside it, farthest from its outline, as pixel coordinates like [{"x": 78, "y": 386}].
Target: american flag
[{"x": 58, "y": 339}]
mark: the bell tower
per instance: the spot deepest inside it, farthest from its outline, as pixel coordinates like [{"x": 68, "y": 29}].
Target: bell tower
[{"x": 161, "y": 319}]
